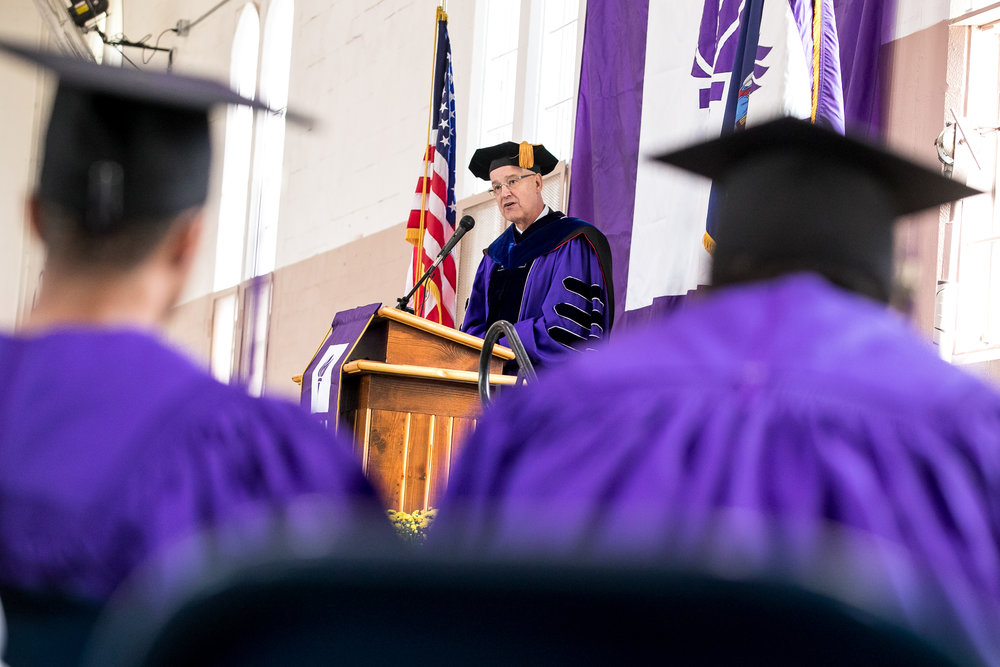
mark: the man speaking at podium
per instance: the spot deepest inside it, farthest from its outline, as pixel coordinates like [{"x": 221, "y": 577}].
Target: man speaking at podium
[{"x": 548, "y": 274}]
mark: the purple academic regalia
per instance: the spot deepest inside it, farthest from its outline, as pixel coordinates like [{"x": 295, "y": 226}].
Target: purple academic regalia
[
  {"x": 113, "y": 446},
  {"x": 787, "y": 402},
  {"x": 565, "y": 305}
]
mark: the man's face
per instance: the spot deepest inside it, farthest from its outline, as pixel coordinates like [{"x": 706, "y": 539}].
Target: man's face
[{"x": 520, "y": 203}]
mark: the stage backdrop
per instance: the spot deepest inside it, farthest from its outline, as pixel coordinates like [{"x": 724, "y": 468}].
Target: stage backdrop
[{"x": 655, "y": 76}]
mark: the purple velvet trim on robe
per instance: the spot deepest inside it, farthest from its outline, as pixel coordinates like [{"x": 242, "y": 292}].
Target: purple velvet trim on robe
[
  {"x": 549, "y": 289},
  {"x": 789, "y": 403},
  {"x": 113, "y": 447}
]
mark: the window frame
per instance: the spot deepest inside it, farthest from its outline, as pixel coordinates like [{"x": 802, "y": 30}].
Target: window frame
[{"x": 967, "y": 325}]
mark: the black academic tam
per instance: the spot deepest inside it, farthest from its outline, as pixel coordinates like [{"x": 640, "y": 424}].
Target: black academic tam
[{"x": 125, "y": 145}]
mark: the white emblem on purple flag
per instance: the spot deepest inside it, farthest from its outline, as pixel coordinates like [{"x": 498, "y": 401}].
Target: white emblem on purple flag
[{"x": 718, "y": 38}]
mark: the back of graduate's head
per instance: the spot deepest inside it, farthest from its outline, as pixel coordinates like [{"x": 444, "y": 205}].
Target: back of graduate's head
[
  {"x": 784, "y": 212},
  {"x": 127, "y": 158},
  {"x": 118, "y": 176},
  {"x": 797, "y": 197}
]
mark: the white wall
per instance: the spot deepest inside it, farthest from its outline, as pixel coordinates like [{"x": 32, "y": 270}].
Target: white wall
[
  {"x": 916, "y": 15},
  {"x": 361, "y": 68},
  {"x": 21, "y": 87}
]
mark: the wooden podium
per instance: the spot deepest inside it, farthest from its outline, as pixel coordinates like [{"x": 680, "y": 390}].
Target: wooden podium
[{"x": 409, "y": 396}]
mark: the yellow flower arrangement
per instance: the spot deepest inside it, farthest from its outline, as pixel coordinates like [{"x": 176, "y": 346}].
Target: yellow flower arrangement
[{"x": 412, "y": 528}]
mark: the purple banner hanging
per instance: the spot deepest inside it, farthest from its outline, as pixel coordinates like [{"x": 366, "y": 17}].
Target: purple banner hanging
[
  {"x": 865, "y": 28},
  {"x": 608, "y": 113},
  {"x": 614, "y": 71}
]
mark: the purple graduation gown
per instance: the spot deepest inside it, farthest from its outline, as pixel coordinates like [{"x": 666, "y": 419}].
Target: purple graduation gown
[
  {"x": 784, "y": 403},
  {"x": 565, "y": 305},
  {"x": 113, "y": 446}
]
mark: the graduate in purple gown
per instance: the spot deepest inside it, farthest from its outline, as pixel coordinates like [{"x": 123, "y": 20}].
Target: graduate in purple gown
[
  {"x": 787, "y": 405},
  {"x": 112, "y": 445},
  {"x": 548, "y": 274}
]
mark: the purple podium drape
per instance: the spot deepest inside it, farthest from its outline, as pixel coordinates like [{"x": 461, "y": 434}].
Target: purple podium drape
[{"x": 321, "y": 379}]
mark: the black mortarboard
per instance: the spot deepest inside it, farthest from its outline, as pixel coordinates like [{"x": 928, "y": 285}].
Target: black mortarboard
[
  {"x": 124, "y": 144},
  {"x": 796, "y": 194},
  {"x": 527, "y": 156}
]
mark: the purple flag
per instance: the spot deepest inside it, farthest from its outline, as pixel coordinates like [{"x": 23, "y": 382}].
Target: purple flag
[
  {"x": 816, "y": 92},
  {"x": 679, "y": 60}
]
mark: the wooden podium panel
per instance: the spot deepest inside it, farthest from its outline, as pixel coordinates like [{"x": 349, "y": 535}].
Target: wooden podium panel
[
  {"x": 396, "y": 337},
  {"x": 408, "y": 430},
  {"x": 408, "y": 393}
]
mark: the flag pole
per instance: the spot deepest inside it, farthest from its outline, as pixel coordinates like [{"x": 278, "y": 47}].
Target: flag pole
[
  {"x": 418, "y": 266},
  {"x": 817, "y": 33},
  {"x": 443, "y": 9}
]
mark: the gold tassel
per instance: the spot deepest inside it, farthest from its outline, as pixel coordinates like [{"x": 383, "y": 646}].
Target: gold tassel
[
  {"x": 526, "y": 156},
  {"x": 817, "y": 51},
  {"x": 709, "y": 243}
]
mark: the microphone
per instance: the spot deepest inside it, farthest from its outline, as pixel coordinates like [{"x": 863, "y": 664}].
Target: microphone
[{"x": 464, "y": 225}]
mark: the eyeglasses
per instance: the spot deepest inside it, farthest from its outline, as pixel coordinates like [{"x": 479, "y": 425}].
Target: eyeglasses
[{"x": 497, "y": 188}]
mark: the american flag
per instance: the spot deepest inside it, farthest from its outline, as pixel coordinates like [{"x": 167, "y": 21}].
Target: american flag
[{"x": 432, "y": 218}]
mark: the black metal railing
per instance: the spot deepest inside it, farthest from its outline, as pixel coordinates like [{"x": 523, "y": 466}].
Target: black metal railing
[{"x": 525, "y": 369}]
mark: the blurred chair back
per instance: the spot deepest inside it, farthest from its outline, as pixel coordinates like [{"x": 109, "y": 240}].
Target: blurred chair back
[
  {"x": 446, "y": 611},
  {"x": 46, "y": 628}
]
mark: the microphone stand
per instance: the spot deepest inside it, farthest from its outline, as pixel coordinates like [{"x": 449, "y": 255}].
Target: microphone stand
[
  {"x": 464, "y": 225},
  {"x": 403, "y": 300}
]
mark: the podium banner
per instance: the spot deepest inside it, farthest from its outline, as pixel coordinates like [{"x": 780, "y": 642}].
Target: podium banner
[{"x": 321, "y": 379}]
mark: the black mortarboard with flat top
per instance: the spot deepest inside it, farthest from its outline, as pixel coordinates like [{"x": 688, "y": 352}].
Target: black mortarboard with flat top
[
  {"x": 793, "y": 193},
  {"x": 527, "y": 156},
  {"x": 125, "y": 145}
]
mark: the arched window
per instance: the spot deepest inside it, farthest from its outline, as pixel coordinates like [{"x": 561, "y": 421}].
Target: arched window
[
  {"x": 270, "y": 140},
  {"x": 523, "y": 88},
  {"x": 499, "y": 71},
  {"x": 967, "y": 325},
  {"x": 265, "y": 192},
  {"x": 526, "y": 83},
  {"x": 554, "y": 91},
  {"x": 236, "y": 157},
  {"x": 229, "y": 251}
]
